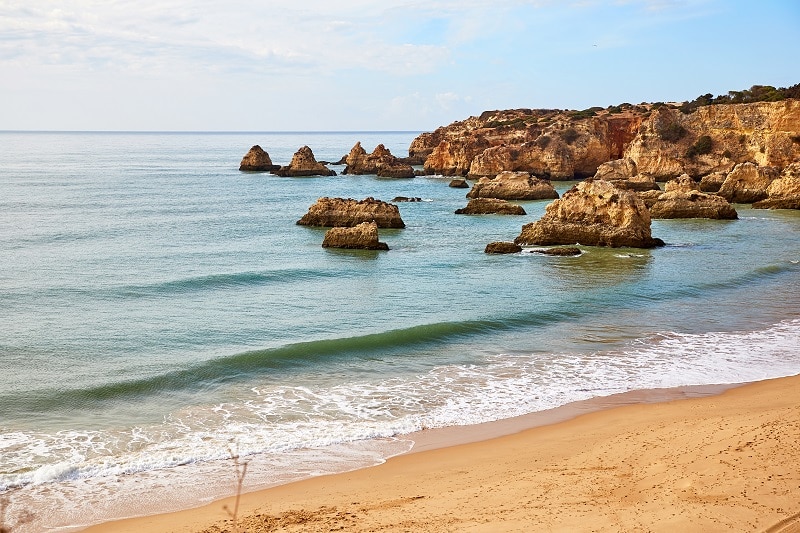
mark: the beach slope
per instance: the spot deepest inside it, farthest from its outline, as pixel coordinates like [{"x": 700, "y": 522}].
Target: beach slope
[{"x": 729, "y": 462}]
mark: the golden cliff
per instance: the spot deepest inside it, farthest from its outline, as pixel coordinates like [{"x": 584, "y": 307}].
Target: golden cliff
[{"x": 662, "y": 141}]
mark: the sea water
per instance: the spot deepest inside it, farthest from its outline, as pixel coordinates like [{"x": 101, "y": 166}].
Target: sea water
[{"x": 161, "y": 312}]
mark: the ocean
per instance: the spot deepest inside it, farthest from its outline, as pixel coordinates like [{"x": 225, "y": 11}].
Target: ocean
[{"x": 161, "y": 312}]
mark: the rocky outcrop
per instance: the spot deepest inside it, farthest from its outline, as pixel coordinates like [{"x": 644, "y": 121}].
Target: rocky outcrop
[
  {"x": 513, "y": 186},
  {"x": 624, "y": 174},
  {"x": 784, "y": 192},
  {"x": 765, "y": 133},
  {"x": 304, "y": 164},
  {"x": 560, "y": 251},
  {"x": 660, "y": 140},
  {"x": 747, "y": 183},
  {"x": 363, "y": 236},
  {"x": 257, "y": 160},
  {"x": 684, "y": 182},
  {"x": 336, "y": 212},
  {"x": 712, "y": 182},
  {"x": 593, "y": 213},
  {"x": 546, "y": 143},
  {"x": 502, "y": 247},
  {"x": 618, "y": 169},
  {"x": 458, "y": 183},
  {"x": 692, "y": 204},
  {"x": 406, "y": 199},
  {"x": 490, "y": 206},
  {"x": 380, "y": 162}
]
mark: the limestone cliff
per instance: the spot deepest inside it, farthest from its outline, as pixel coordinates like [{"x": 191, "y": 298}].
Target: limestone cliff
[{"x": 659, "y": 139}]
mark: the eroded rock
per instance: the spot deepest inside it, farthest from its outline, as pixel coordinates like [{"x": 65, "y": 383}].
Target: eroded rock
[
  {"x": 513, "y": 186},
  {"x": 747, "y": 183},
  {"x": 363, "y": 236},
  {"x": 380, "y": 162},
  {"x": 257, "y": 160},
  {"x": 333, "y": 212},
  {"x": 681, "y": 203},
  {"x": 784, "y": 192},
  {"x": 502, "y": 247},
  {"x": 304, "y": 164},
  {"x": 490, "y": 206},
  {"x": 593, "y": 213}
]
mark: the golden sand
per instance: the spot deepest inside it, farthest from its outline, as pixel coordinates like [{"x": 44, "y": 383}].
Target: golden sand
[{"x": 729, "y": 462}]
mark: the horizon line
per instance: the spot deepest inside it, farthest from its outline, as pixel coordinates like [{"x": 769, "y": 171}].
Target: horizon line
[{"x": 211, "y": 131}]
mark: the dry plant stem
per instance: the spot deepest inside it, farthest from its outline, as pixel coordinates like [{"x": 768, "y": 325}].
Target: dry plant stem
[{"x": 241, "y": 471}]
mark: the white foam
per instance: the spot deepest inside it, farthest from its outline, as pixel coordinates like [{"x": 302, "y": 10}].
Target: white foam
[{"x": 297, "y": 431}]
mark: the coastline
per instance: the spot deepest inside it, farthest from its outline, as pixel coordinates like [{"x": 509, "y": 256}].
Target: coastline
[{"x": 710, "y": 457}]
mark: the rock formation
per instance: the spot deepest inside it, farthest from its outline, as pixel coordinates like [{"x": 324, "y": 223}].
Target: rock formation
[
  {"x": 490, "y": 206},
  {"x": 784, "y": 192},
  {"x": 624, "y": 174},
  {"x": 593, "y": 213},
  {"x": 692, "y": 204},
  {"x": 380, "y": 162},
  {"x": 747, "y": 183},
  {"x": 712, "y": 182},
  {"x": 333, "y": 212},
  {"x": 513, "y": 186},
  {"x": 502, "y": 247},
  {"x": 561, "y": 251},
  {"x": 459, "y": 183},
  {"x": 406, "y": 199},
  {"x": 257, "y": 160},
  {"x": 363, "y": 236},
  {"x": 660, "y": 140},
  {"x": 546, "y": 143},
  {"x": 304, "y": 164},
  {"x": 684, "y": 182}
]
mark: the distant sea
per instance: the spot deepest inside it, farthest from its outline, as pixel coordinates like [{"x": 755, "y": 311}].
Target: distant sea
[{"x": 161, "y": 311}]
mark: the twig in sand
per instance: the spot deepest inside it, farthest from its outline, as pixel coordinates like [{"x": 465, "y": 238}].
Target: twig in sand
[{"x": 240, "y": 471}]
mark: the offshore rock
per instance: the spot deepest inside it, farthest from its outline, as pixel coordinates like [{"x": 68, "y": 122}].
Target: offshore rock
[
  {"x": 712, "y": 182},
  {"x": 257, "y": 160},
  {"x": 684, "y": 182},
  {"x": 561, "y": 251},
  {"x": 784, "y": 192},
  {"x": 618, "y": 169},
  {"x": 490, "y": 206},
  {"x": 681, "y": 203},
  {"x": 747, "y": 183},
  {"x": 649, "y": 197},
  {"x": 363, "y": 236},
  {"x": 458, "y": 183},
  {"x": 406, "y": 199},
  {"x": 336, "y": 212},
  {"x": 304, "y": 164},
  {"x": 513, "y": 186},
  {"x": 593, "y": 213},
  {"x": 380, "y": 162},
  {"x": 502, "y": 247}
]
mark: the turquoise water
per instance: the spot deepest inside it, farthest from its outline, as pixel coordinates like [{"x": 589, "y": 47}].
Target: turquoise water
[{"x": 161, "y": 310}]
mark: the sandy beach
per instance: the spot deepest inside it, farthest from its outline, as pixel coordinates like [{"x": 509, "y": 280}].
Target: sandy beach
[{"x": 726, "y": 462}]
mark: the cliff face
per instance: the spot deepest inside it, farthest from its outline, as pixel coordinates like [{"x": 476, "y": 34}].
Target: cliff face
[
  {"x": 661, "y": 140},
  {"x": 766, "y": 133}
]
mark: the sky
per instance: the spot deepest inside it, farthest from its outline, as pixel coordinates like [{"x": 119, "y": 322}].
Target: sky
[{"x": 358, "y": 65}]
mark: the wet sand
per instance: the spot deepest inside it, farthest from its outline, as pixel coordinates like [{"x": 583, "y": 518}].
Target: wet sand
[{"x": 728, "y": 461}]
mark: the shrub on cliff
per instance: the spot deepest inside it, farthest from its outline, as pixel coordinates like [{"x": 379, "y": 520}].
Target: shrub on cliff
[
  {"x": 671, "y": 132},
  {"x": 703, "y": 146},
  {"x": 570, "y": 135}
]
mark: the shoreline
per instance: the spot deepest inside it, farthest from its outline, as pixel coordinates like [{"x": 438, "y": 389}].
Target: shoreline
[{"x": 462, "y": 461}]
